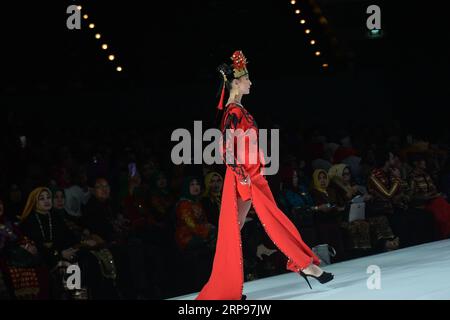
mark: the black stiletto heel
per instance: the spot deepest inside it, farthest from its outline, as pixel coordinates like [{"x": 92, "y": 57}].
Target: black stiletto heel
[
  {"x": 323, "y": 278},
  {"x": 306, "y": 279}
]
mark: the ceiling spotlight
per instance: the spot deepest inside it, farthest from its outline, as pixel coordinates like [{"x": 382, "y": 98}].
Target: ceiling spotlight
[
  {"x": 85, "y": 17},
  {"x": 297, "y": 11},
  {"x": 317, "y": 53},
  {"x": 312, "y": 42},
  {"x": 307, "y": 31},
  {"x": 119, "y": 68},
  {"x": 302, "y": 21},
  {"x": 293, "y": 2},
  {"x": 111, "y": 57},
  {"x": 104, "y": 46},
  {"x": 98, "y": 36},
  {"x": 91, "y": 26}
]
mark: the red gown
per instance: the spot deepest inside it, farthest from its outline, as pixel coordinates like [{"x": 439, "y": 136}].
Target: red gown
[{"x": 227, "y": 277}]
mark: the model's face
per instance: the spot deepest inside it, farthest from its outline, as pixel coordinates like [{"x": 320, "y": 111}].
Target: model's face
[
  {"x": 295, "y": 179},
  {"x": 102, "y": 190},
  {"x": 194, "y": 188},
  {"x": 58, "y": 200},
  {"x": 323, "y": 180},
  {"x": 243, "y": 84},
  {"x": 215, "y": 184},
  {"x": 346, "y": 175},
  {"x": 44, "y": 202}
]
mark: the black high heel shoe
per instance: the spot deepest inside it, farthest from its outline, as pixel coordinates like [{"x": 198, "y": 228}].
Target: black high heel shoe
[{"x": 323, "y": 278}]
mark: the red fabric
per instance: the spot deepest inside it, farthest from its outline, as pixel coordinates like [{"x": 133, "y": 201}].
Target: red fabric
[
  {"x": 222, "y": 94},
  {"x": 227, "y": 277},
  {"x": 440, "y": 209}
]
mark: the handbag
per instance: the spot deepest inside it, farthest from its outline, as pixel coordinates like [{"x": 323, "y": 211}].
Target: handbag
[{"x": 324, "y": 252}]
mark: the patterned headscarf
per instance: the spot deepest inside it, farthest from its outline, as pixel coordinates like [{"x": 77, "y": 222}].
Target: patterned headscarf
[
  {"x": 216, "y": 196},
  {"x": 316, "y": 183},
  {"x": 32, "y": 201}
]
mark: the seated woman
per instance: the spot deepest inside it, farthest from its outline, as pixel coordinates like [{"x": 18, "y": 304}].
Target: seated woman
[
  {"x": 425, "y": 196},
  {"x": 149, "y": 244},
  {"x": 298, "y": 204},
  {"x": 194, "y": 235},
  {"x": 328, "y": 216},
  {"x": 212, "y": 197},
  {"x": 161, "y": 199},
  {"x": 342, "y": 190},
  {"x": 22, "y": 274},
  {"x": 57, "y": 244},
  {"x": 385, "y": 186}
]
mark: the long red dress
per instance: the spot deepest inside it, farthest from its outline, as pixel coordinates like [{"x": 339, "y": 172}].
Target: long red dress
[{"x": 227, "y": 277}]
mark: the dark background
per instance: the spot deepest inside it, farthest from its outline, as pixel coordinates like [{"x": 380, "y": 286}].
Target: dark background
[{"x": 52, "y": 76}]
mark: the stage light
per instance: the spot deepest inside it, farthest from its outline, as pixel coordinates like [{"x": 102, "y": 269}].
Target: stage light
[
  {"x": 293, "y": 2},
  {"x": 302, "y": 21},
  {"x": 119, "y": 68},
  {"x": 325, "y": 65},
  {"x": 297, "y": 11},
  {"x": 98, "y": 36},
  {"x": 79, "y": 7},
  {"x": 111, "y": 57},
  {"x": 307, "y": 31},
  {"x": 91, "y": 26},
  {"x": 317, "y": 53},
  {"x": 104, "y": 46},
  {"x": 85, "y": 17},
  {"x": 312, "y": 42}
]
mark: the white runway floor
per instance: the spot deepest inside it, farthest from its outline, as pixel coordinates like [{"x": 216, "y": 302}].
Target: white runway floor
[{"x": 420, "y": 272}]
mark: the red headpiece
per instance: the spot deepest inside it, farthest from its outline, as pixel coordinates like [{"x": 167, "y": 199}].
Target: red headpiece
[{"x": 236, "y": 70}]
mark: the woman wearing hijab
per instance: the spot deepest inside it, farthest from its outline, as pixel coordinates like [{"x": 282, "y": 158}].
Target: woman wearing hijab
[
  {"x": 328, "y": 215},
  {"x": 57, "y": 243},
  {"x": 212, "y": 197},
  {"x": 161, "y": 201},
  {"x": 21, "y": 269},
  {"x": 193, "y": 229},
  {"x": 53, "y": 238},
  {"x": 342, "y": 191},
  {"x": 194, "y": 235},
  {"x": 298, "y": 204}
]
